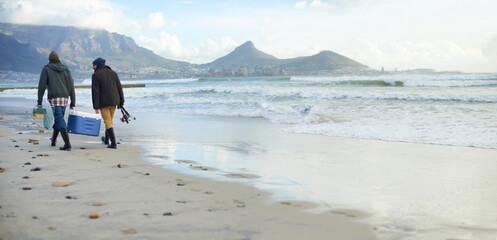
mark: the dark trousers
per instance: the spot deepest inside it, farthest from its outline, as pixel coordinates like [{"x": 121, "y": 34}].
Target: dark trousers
[{"x": 58, "y": 115}]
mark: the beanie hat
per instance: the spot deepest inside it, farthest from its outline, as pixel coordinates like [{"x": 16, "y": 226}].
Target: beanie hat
[
  {"x": 99, "y": 61},
  {"x": 53, "y": 57}
]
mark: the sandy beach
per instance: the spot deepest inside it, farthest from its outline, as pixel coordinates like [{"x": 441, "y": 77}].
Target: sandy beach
[{"x": 135, "y": 200}]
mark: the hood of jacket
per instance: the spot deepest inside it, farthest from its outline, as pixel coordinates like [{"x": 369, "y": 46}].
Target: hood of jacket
[
  {"x": 59, "y": 67},
  {"x": 103, "y": 67}
]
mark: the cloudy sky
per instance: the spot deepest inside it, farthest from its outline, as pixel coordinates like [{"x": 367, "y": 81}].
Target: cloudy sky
[{"x": 402, "y": 34}]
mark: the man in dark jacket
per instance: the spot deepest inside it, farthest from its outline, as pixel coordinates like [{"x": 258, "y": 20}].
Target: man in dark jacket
[
  {"x": 57, "y": 78},
  {"x": 107, "y": 93}
]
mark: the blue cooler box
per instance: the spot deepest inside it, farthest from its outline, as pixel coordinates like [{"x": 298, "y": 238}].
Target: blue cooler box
[{"x": 84, "y": 123}]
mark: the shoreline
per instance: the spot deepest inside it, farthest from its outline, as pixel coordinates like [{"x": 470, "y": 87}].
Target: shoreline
[
  {"x": 76, "y": 86},
  {"x": 420, "y": 191},
  {"x": 138, "y": 200}
]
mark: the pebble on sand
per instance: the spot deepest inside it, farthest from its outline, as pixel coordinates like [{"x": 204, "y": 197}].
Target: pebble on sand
[
  {"x": 2, "y": 169},
  {"x": 128, "y": 231},
  {"x": 61, "y": 184},
  {"x": 94, "y": 215}
]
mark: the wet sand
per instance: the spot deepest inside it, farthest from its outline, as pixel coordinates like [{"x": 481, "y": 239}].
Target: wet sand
[{"x": 98, "y": 193}]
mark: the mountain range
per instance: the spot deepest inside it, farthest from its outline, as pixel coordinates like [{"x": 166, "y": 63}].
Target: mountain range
[
  {"x": 26, "y": 48},
  {"x": 247, "y": 55}
]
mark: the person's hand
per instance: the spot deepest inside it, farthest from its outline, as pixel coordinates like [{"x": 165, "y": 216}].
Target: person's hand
[
  {"x": 96, "y": 111},
  {"x": 72, "y": 108}
]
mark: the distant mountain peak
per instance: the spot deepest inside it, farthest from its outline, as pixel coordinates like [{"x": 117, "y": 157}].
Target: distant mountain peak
[
  {"x": 248, "y": 48},
  {"x": 247, "y": 44},
  {"x": 245, "y": 54}
]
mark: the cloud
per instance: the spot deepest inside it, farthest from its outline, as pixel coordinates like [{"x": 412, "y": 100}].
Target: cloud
[
  {"x": 319, "y": 4},
  {"x": 331, "y": 4},
  {"x": 312, "y": 4},
  {"x": 156, "y": 20},
  {"x": 490, "y": 48},
  {"x": 88, "y": 13},
  {"x": 403, "y": 55},
  {"x": 169, "y": 46},
  {"x": 301, "y": 4}
]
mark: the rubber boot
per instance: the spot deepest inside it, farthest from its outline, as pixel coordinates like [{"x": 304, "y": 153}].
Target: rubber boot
[
  {"x": 105, "y": 139},
  {"x": 54, "y": 137},
  {"x": 112, "y": 138},
  {"x": 65, "y": 137}
]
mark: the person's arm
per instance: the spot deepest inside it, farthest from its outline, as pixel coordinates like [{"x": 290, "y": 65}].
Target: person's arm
[
  {"x": 95, "y": 93},
  {"x": 120, "y": 90},
  {"x": 72, "y": 93},
  {"x": 42, "y": 85}
]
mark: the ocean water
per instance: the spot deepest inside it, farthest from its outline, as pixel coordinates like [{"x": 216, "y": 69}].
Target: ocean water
[
  {"x": 440, "y": 109},
  {"x": 445, "y": 197},
  {"x": 447, "y": 109}
]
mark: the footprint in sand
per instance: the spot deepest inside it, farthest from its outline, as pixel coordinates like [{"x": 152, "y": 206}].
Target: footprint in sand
[
  {"x": 241, "y": 175},
  {"x": 121, "y": 165},
  {"x": 158, "y": 156},
  {"x": 185, "y": 161},
  {"x": 290, "y": 204},
  {"x": 180, "y": 182},
  {"x": 343, "y": 213},
  {"x": 238, "y": 203},
  {"x": 144, "y": 174},
  {"x": 202, "y": 168}
]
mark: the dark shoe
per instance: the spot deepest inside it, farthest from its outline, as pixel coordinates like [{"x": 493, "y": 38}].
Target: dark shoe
[
  {"x": 112, "y": 138},
  {"x": 65, "y": 137},
  {"x": 105, "y": 139},
  {"x": 54, "y": 137}
]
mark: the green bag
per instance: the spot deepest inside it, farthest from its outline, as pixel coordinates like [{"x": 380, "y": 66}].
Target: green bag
[
  {"x": 41, "y": 113},
  {"x": 48, "y": 120}
]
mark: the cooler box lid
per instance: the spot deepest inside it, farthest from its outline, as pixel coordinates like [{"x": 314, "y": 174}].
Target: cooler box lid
[{"x": 85, "y": 115}]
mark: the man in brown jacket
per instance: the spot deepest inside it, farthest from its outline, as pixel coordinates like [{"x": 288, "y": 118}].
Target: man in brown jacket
[{"x": 107, "y": 93}]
